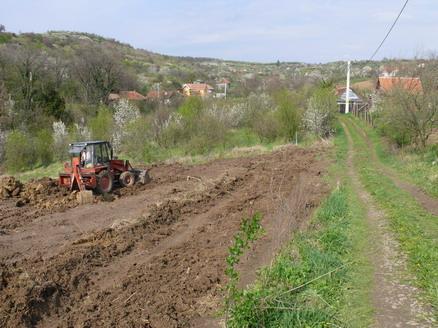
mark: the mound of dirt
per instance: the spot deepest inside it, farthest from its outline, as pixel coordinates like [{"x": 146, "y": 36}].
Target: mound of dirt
[
  {"x": 46, "y": 194},
  {"x": 10, "y": 187}
]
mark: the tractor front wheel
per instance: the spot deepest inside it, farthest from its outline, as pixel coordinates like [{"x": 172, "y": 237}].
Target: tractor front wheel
[
  {"x": 104, "y": 182},
  {"x": 127, "y": 179}
]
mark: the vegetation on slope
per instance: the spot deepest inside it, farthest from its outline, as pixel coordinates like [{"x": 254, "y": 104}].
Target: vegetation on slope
[{"x": 322, "y": 277}]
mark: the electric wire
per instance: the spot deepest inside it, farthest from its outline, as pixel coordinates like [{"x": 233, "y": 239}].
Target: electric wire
[{"x": 390, "y": 30}]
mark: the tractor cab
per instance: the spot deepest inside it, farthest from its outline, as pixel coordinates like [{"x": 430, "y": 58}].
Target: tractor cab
[{"x": 91, "y": 153}]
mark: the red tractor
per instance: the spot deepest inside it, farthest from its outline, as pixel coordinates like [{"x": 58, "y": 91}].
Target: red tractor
[{"x": 93, "y": 167}]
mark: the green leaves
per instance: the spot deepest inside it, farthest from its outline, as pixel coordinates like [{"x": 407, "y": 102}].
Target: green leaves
[{"x": 250, "y": 230}]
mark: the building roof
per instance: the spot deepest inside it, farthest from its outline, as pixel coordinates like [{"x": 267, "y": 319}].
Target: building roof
[
  {"x": 341, "y": 92},
  {"x": 388, "y": 83},
  {"x": 224, "y": 81},
  {"x": 198, "y": 86},
  {"x": 132, "y": 95}
]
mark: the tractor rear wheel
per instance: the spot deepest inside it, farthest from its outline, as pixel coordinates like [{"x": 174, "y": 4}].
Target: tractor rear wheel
[
  {"x": 127, "y": 179},
  {"x": 104, "y": 182}
]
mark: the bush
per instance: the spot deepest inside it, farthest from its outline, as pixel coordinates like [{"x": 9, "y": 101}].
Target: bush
[
  {"x": 320, "y": 116},
  {"x": 102, "y": 125},
  {"x": 267, "y": 126},
  {"x": 289, "y": 113},
  {"x": 138, "y": 144},
  {"x": 207, "y": 133},
  {"x": 43, "y": 145},
  {"x": 19, "y": 152}
]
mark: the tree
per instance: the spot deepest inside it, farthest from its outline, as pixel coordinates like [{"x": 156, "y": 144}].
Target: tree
[
  {"x": 289, "y": 113},
  {"x": 98, "y": 71},
  {"x": 320, "y": 115},
  {"x": 410, "y": 116},
  {"x": 102, "y": 125},
  {"x": 2, "y": 28}
]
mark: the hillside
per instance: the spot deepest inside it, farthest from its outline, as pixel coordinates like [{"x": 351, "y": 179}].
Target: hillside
[{"x": 151, "y": 67}]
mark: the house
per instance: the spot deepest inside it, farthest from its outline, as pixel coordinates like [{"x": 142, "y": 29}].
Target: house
[
  {"x": 390, "y": 83},
  {"x": 197, "y": 89},
  {"x": 355, "y": 102},
  {"x": 128, "y": 95},
  {"x": 222, "y": 87},
  {"x": 131, "y": 95},
  {"x": 389, "y": 71}
]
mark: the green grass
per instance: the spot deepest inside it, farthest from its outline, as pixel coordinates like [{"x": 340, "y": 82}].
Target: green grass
[
  {"x": 416, "y": 229},
  {"x": 322, "y": 277},
  {"x": 417, "y": 167},
  {"x": 51, "y": 171}
]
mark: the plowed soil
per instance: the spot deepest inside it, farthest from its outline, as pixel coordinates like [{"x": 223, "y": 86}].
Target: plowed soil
[{"x": 154, "y": 256}]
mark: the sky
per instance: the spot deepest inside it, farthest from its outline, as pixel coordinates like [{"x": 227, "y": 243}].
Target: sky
[{"x": 313, "y": 31}]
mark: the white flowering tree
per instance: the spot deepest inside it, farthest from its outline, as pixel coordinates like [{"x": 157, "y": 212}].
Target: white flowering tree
[
  {"x": 60, "y": 139},
  {"x": 320, "y": 114},
  {"x": 124, "y": 114}
]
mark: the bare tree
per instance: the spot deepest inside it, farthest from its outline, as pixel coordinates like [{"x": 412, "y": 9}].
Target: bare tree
[
  {"x": 98, "y": 71},
  {"x": 412, "y": 115},
  {"x": 24, "y": 67}
]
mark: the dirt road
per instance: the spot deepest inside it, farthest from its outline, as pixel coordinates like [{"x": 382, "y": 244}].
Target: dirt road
[
  {"x": 396, "y": 302},
  {"x": 154, "y": 257}
]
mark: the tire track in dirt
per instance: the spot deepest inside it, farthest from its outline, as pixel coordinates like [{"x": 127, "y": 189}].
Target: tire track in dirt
[
  {"x": 166, "y": 268},
  {"x": 428, "y": 202},
  {"x": 396, "y": 302}
]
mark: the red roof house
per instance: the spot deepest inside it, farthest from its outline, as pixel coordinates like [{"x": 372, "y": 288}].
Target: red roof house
[
  {"x": 389, "y": 83},
  {"x": 131, "y": 95},
  {"x": 197, "y": 89}
]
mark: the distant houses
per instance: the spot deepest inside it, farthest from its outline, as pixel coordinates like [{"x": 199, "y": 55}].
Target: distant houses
[
  {"x": 390, "y": 83},
  {"x": 127, "y": 95},
  {"x": 197, "y": 89},
  {"x": 367, "y": 94},
  {"x": 222, "y": 88}
]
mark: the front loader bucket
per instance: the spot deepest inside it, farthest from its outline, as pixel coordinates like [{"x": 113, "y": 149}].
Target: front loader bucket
[
  {"x": 143, "y": 176},
  {"x": 85, "y": 197}
]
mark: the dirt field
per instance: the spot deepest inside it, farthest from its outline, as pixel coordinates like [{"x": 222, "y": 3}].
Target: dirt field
[{"x": 155, "y": 255}]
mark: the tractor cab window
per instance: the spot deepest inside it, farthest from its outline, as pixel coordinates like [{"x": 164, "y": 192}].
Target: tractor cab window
[{"x": 101, "y": 153}]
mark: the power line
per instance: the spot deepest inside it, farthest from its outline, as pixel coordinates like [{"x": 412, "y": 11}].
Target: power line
[{"x": 390, "y": 30}]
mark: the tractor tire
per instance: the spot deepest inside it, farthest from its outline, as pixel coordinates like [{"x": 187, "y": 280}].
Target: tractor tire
[
  {"x": 104, "y": 182},
  {"x": 127, "y": 179}
]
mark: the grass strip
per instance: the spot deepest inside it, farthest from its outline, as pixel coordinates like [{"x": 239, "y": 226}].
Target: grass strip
[
  {"x": 322, "y": 277},
  {"x": 418, "y": 167},
  {"x": 415, "y": 229}
]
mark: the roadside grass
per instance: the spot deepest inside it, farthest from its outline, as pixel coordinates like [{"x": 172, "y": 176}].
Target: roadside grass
[
  {"x": 50, "y": 171},
  {"x": 416, "y": 229},
  {"x": 417, "y": 167},
  {"x": 322, "y": 277}
]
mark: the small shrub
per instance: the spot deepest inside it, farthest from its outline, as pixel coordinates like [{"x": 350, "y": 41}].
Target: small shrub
[
  {"x": 289, "y": 114},
  {"x": 19, "y": 152},
  {"x": 102, "y": 125},
  {"x": 43, "y": 145}
]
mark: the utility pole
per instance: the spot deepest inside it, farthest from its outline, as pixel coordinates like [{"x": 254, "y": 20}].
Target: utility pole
[
  {"x": 347, "y": 91},
  {"x": 225, "y": 90}
]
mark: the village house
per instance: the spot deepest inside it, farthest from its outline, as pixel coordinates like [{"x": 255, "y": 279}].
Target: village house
[
  {"x": 389, "y": 83},
  {"x": 222, "y": 87},
  {"x": 197, "y": 89},
  {"x": 355, "y": 102},
  {"x": 128, "y": 95}
]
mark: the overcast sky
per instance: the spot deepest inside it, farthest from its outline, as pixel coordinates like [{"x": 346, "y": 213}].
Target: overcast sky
[{"x": 251, "y": 30}]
